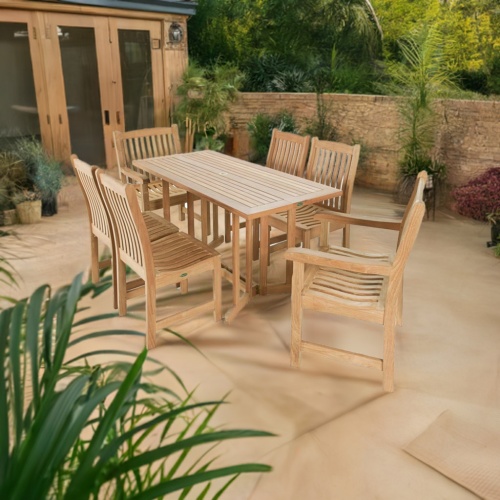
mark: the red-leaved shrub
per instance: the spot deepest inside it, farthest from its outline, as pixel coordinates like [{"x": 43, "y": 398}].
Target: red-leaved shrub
[{"x": 480, "y": 196}]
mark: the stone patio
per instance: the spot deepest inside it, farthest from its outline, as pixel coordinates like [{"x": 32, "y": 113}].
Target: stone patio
[{"x": 337, "y": 434}]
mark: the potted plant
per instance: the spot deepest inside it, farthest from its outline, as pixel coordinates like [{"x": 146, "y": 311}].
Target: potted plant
[
  {"x": 45, "y": 173},
  {"x": 420, "y": 77},
  {"x": 13, "y": 178},
  {"x": 494, "y": 220},
  {"x": 28, "y": 206},
  {"x": 205, "y": 95}
]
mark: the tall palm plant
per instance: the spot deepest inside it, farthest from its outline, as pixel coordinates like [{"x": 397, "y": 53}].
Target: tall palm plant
[
  {"x": 70, "y": 429},
  {"x": 420, "y": 77}
]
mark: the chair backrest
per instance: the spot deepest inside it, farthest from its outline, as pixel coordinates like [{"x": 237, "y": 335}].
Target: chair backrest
[
  {"x": 288, "y": 152},
  {"x": 145, "y": 143},
  {"x": 334, "y": 164},
  {"x": 98, "y": 216},
  {"x": 130, "y": 230},
  {"x": 412, "y": 220}
]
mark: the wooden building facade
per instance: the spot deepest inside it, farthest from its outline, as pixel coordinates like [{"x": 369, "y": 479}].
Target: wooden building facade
[{"x": 72, "y": 73}]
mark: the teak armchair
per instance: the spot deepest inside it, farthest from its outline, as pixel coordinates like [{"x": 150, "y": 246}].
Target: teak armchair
[
  {"x": 101, "y": 229},
  {"x": 142, "y": 144},
  {"x": 360, "y": 285},
  {"x": 170, "y": 259},
  {"x": 287, "y": 153},
  {"x": 333, "y": 164}
]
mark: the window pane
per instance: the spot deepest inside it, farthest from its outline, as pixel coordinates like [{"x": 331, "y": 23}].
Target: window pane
[
  {"x": 81, "y": 84},
  {"x": 18, "y": 109},
  {"x": 135, "y": 61}
]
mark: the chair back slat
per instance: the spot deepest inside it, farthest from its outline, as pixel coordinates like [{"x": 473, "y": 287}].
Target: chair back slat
[
  {"x": 98, "y": 217},
  {"x": 145, "y": 143},
  {"x": 130, "y": 229},
  {"x": 334, "y": 164},
  {"x": 288, "y": 152}
]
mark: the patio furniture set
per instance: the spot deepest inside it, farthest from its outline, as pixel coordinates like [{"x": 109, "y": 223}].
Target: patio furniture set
[{"x": 304, "y": 199}]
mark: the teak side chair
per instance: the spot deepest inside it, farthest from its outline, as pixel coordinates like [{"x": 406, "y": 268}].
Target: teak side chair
[
  {"x": 359, "y": 285},
  {"x": 167, "y": 260},
  {"x": 333, "y": 164},
  {"x": 100, "y": 224},
  {"x": 287, "y": 153},
  {"x": 142, "y": 144}
]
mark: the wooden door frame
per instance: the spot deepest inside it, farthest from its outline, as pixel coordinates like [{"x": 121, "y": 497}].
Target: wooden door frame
[{"x": 36, "y": 54}]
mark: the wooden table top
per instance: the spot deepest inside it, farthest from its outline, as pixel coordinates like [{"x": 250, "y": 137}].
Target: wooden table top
[{"x": 239, "y": 186}]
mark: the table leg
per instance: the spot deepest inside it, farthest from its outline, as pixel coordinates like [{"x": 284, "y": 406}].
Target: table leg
[
  {"x": 204, "y": 221},
  {"x": 249, "y": 255},
  {"x": 264, "y": 254},
  {"x": 292, "y": 212},
  {"x": 166, "y": 200},
  {"x": 190, "y": 206},
  {"x": 239, "y": 300}
]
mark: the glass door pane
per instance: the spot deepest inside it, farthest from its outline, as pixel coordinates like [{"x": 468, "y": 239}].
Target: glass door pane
[
  {"x": 137, "y": 79},
  {"x": 18, "y": 107},
  {"x": 83, "y": 100}
]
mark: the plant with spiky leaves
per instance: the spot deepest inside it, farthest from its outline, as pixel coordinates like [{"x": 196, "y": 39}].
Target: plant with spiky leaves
[{"x": 72, "y": 429}]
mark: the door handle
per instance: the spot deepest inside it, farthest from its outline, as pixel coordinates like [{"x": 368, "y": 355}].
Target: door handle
[
  {"x": 106, "y": 116},
  {"x": 118, "y": 118}
]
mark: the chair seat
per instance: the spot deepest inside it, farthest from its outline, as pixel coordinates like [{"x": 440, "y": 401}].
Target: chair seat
[
  {"x": 179, "y": 251},
  {"x": 347, "y": 288},
  {"x": 157, "y": 226}
]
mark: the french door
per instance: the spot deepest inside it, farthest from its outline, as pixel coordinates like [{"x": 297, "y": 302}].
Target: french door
[{"x": 90, "y": 75}]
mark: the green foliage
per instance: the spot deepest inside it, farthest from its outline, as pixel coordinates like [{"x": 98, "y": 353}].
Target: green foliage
[
  {"x": 420, "y": 77},
  {"x": 321, "y": 126},
  {"x": 70, "y": 429},
  {"x": 205, "y": 95},
  {"x": 471, "y": 29},
  {"x": 280, "y": 44},
  {"x": 261, "y": 131},
  {"x": 42, "y": 173},
  {"x": 13, "y": 178}
]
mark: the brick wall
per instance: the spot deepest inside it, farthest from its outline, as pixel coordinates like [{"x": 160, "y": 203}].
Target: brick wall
[{"x": 467, "y": 140}]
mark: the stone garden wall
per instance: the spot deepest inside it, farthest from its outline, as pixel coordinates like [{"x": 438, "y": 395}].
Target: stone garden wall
[{"x": 468, "y": 136}]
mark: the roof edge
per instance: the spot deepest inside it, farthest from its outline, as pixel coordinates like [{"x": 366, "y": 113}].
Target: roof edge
[{"x": 183, "y": 7}]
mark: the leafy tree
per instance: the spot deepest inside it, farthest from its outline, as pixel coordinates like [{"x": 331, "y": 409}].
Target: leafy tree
[{"x": 299, "y": 35}]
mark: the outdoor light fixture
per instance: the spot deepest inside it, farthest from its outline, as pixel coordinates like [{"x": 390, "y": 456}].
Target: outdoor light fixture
[{"x": 175, "y": 33}]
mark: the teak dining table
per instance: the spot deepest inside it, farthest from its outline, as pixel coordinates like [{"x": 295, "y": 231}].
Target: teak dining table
[{"x": 246, "y": 190}]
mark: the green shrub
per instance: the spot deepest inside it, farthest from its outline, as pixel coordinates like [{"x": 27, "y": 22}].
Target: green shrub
[{"x": 261, "y": 131}]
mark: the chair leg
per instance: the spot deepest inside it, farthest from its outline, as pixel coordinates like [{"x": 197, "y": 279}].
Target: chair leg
[
  {"x": 346, "y": 238},
  {"x": 388, "y": 362},
  {"x": 227, "y": 226},
  {"x": 217, "y": 291},
  {"x": 184, "y": 287},
  {"x": 150, "y": 315},
  {"x": 182, "y": 215},
  {"x": 94, "y": 258},
  {"x": 307, "y": 239},
  {"x": 297, "y": 284},
  {"x": 122, "y": 287}
]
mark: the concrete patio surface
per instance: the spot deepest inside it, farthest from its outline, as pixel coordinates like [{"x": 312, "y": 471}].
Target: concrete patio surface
[{"x": 338, "y": 435}]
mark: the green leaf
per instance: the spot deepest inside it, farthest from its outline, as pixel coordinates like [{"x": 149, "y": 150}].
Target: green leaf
[{"x": 183, "y": 482}]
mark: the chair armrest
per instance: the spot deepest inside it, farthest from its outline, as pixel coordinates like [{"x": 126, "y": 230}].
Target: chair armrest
[
  {"x": 135, "y": 176},
  {"x": 323, "y": 259},
  {"x": 360, "y": 220}
]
